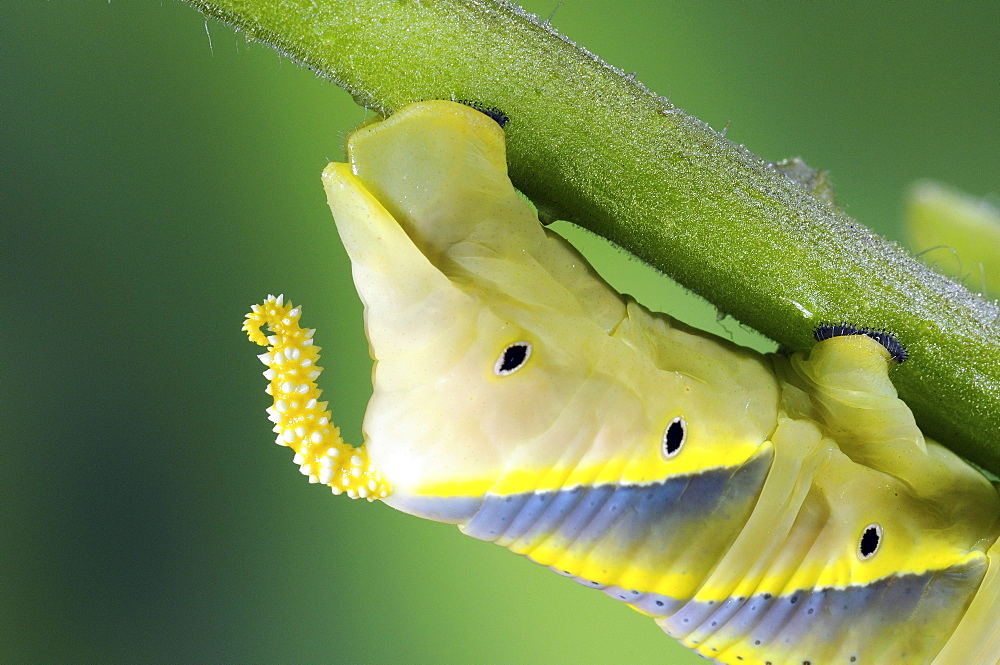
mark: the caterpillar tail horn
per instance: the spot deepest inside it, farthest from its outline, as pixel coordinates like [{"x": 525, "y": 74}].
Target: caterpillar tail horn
[{"x": 301, "y": 421}]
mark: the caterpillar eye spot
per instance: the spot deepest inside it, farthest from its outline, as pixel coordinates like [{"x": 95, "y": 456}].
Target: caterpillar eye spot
[
  {"x": 673, "y": 437},
  {"x": 870, "y": 541},
  {"x": 512, "y": 358}
]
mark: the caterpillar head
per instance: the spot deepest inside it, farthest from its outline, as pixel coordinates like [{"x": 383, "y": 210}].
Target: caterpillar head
[{"x": 481, "y": 323}]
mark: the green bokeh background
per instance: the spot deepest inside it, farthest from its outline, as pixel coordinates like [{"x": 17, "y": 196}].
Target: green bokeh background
[{"x": 155, "y": 181}]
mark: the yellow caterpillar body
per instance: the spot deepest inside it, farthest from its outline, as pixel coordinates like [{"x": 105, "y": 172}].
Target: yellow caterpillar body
[{"x": 763, "y": 509}]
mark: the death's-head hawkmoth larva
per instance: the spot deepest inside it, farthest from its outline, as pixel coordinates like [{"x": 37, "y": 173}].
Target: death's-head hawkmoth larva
[{"x": 760, "y": 508}]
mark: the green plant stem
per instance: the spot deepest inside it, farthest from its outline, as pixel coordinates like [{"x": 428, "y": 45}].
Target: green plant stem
[{"x": 592, "y": 146}]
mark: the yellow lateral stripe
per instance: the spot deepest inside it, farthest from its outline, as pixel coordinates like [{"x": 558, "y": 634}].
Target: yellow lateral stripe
[
  {"x": 668, "y": 582},
  {"x": 618, "y": 470}
]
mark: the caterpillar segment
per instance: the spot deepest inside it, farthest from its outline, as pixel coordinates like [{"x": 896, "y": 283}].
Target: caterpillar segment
[{"x": 762, "y": 509}]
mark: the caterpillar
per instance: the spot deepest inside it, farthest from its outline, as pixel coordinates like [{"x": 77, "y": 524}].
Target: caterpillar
[{"x": 762, "y": 509}]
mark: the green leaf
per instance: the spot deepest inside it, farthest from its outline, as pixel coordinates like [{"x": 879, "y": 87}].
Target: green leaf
[{"x": 956, "y": 233}]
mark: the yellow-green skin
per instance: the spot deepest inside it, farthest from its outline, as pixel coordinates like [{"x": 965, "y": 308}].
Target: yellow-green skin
[{"x": 745, "y": 543}]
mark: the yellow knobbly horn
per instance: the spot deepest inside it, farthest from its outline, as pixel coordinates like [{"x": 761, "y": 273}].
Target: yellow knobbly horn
[{"x": 300, "y": 420}]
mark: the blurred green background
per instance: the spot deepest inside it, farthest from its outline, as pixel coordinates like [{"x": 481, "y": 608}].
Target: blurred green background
[{"x": 160, "y": 175}]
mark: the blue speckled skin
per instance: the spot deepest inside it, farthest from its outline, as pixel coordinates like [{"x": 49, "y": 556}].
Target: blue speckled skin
[
  {"x": 635, "y": 515},
  {"x": 887, "y": 621}
]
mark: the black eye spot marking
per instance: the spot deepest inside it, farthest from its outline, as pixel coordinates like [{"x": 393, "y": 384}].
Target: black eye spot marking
[
  {"x": 673, "y": 437},
  {"x": 870, "y": 541},
  {"x": 512, "y": 358}
]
